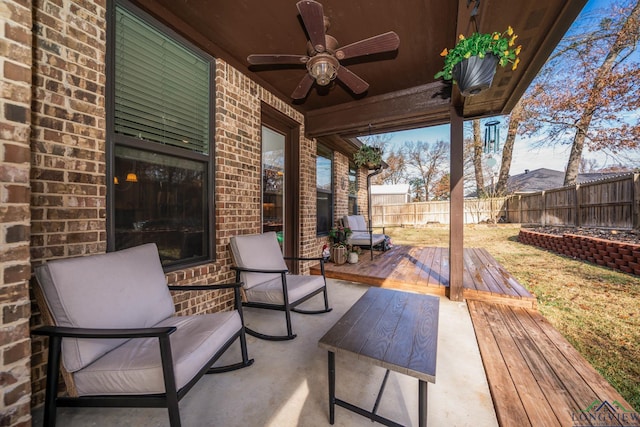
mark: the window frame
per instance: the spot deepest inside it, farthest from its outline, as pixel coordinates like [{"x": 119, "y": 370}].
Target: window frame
[
  {"x": 331, "y": 156},
  {"x": 113, "y": 139},
  {"x": 352, "y": 198}
]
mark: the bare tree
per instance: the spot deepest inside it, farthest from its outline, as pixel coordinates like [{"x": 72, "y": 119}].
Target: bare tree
[
  {"x": 588, "y": 165},
  {"x": 429, "y": 160},
  {"x": 395, "y": 172},
  {"x": 507, "y": 150},
  {"x": 588, "y": 90},
  {"x": 477, "y": 158}
]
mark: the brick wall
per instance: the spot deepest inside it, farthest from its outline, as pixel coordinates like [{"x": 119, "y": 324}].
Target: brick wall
[
  {"x": 68, "y": 201},
  {"x": 68, "y": 171},
  {"x": 15, "y": 120},
  {"x": 340, "y": 186},
  {"x": 608, "y": 253},
  {"x": 363, "y": 192}
]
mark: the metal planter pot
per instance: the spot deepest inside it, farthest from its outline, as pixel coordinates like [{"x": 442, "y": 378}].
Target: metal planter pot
[{"x": 475, "y": 75}]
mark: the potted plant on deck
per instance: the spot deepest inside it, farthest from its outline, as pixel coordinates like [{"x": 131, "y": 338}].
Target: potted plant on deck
[
  {"x": 368, "y": 156},
  {"x": 472, "y": 62},
  {"x": 354, "y": 253},
  {"x": 338, "y": 237}
]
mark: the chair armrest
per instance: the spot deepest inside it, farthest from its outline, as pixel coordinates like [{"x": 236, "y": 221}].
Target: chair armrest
[
  {"x": 62, "y": 331},
  {"x": 211, "y": 287},
  {"x": 256, "y": 270}
]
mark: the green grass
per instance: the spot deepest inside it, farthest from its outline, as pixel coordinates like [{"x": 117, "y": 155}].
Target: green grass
[{"x": 595, "y": 308}]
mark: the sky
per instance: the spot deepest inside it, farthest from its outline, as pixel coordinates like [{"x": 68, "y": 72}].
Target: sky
[{"x": 525, "y": 154}]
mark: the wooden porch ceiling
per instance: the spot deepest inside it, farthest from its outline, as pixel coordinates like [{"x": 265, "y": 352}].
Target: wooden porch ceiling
[{"x": 403, "y": 93}]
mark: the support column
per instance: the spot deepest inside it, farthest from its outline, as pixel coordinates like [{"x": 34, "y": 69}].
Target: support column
[{"x": 456, "y": 212}]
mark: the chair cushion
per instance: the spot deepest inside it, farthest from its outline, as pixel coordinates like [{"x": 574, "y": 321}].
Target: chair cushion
[
  {"x": 297, "y": 287},
  {"x": 362, "y": 239},
  {"x": 135, "y": 367},
  {"x": 259, "y": 251},
  {"x": 123, "y": 289},
  {"x": 355, "y": 222}
]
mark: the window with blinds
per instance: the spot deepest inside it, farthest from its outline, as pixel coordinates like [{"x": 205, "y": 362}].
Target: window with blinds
[
  {"x": 162, "y": 88},
  {"x": 160, "y": 140},
  {"x": 324, "y": 190}
]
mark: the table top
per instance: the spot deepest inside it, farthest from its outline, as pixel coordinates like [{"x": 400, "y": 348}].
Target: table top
[{"x": 392, "y": 329}]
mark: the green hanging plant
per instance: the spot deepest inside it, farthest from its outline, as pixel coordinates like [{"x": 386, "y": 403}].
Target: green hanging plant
[
  {"x": 502, "y": 45},
  {"x": 368, "y": 156}
]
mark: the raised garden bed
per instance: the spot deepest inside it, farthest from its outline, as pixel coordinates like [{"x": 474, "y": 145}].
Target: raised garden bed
[{"x": 620, "y": 255}]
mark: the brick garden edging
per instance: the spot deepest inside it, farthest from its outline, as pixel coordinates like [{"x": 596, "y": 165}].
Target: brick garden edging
[{"x": 608, "y": 253}]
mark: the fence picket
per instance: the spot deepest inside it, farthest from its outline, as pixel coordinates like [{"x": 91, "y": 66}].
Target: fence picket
[{"x": 607, "y": 203}]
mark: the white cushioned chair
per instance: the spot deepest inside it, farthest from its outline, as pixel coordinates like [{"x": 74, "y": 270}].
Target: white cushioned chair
[
  {"x": 117, "y": 336},
  {"x": 361, "y": 234},
  {"x": 267, "y": 283}
]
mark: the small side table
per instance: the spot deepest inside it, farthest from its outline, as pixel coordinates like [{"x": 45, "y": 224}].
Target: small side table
[{"x": 392, "y": 329}]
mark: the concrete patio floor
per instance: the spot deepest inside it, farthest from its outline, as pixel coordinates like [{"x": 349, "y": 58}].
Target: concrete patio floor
[{"x": 287, "y": 384}]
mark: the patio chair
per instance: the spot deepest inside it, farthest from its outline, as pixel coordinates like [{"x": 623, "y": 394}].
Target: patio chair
[
  {"x": 115, "y": 331},
  {"x": 361, "y": 234},
  {"x": 267, "y": 283}
]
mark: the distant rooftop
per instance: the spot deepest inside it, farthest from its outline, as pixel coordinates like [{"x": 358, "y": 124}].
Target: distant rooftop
[
  {"x": 545, "y": 179},
  {"x": 390, "y": 189}
]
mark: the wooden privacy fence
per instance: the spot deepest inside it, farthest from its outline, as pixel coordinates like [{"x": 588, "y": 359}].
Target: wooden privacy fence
[
  {"x": 422, "y": 213},
  {"x": 607, "y": 203}
]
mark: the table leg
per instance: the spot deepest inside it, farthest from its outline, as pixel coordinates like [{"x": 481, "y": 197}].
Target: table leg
[
  {"x": 422, "y": 403},
  {"x": 332, "y": 386}
]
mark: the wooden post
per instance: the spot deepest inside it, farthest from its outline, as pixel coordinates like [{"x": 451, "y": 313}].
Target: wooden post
[
  {"x": 578, "y": 221},
  {"x": 635, "y": 208},
  {"x": 543, "y": 209},
  {"x": 456, "y": 214}
]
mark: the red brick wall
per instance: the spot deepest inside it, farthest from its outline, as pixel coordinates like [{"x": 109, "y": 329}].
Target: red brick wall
[
  {"x": 68, "y": 204},
  {"x": 68, "y": 177},
  {"x": 340, "y": 186},
  {"x": 15, "y": 121},
  {"x": 608, "y": 253}
]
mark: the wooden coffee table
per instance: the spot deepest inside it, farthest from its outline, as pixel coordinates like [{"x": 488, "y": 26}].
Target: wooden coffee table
[{"x": 395, "y": 330}]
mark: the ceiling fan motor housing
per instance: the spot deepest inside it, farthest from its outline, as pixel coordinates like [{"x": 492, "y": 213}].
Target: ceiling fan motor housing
[{"x": 323, "y": 68}]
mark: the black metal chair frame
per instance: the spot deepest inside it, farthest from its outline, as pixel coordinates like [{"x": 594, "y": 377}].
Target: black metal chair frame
[
  {"x": 288, "y": 306},
  {"x": 172, "y": 395}
]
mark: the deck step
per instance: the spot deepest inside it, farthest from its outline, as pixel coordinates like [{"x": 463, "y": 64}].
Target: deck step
[
  {"x": 535, "y": 376},
  {"x": 426, "y": 270}
]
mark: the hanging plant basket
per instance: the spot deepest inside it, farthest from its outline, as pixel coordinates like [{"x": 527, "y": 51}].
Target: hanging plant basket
[
  {"x": 369, "y": 157},
  {"x": 474, "y": 74}
]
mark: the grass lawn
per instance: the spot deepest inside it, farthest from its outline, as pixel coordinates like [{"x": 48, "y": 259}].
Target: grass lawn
[{"x": 595, "y": 308}]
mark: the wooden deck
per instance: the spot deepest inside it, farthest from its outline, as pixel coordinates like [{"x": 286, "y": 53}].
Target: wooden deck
[
  {"x": 426, "y": 270},
  {"x": 536, "y": 377}
]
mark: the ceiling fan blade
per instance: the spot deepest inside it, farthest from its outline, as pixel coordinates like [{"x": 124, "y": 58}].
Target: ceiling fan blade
[
  {"x": 355, "y": 83},
  {"x": 303, "y": 87},
  {"x": 263, "y": 59},
  {"x": 386, "y": 42},
  {"x": 313, "y": 18}
]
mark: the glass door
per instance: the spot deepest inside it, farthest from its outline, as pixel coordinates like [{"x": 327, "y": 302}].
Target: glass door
[{"x": 273, "y": 183}]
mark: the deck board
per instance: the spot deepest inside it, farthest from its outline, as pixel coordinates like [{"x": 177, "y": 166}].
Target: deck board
[
  {"x": 426, "y": 270},
  {"x": 535, "y": 376}
]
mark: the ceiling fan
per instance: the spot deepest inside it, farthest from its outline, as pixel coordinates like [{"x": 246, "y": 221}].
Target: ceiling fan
[{"x": 323, "y": 54}]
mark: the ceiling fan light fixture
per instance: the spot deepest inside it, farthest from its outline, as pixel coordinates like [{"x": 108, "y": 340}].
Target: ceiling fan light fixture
[{"x": 323, "y": 68}]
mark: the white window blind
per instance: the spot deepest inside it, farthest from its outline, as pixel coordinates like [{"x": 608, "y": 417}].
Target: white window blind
[{"x": 161, "y": 89}]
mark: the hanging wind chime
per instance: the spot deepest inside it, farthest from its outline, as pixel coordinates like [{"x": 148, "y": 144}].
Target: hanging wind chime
[{"x": 491, "y": 137}]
